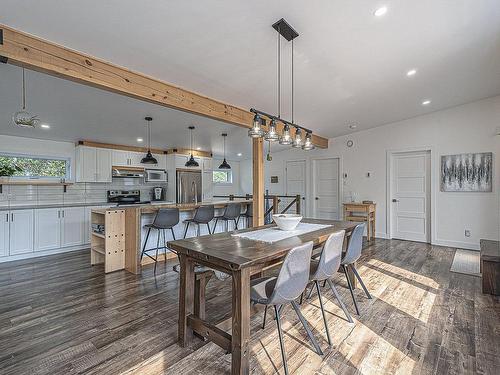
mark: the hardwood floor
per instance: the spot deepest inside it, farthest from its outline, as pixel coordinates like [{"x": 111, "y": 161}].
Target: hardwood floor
[{"x": 58, "y": 315}]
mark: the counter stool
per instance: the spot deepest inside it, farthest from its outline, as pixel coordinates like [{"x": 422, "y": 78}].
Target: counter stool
[
  {"x": 231, "y": 212},
  {"x": 202, "y": 215},
  {"x": 166, "y": 218},
  {"x": 248, "y": 215}
]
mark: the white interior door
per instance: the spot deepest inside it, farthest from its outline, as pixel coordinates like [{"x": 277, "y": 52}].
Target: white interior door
[
  {"x": 326, "y": 189},
  {"x": 410, "y": 196},
  {"x": 296, "y": 181}
]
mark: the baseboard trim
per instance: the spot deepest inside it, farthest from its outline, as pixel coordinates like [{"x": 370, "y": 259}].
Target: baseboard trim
[
  {"x": 37, "y": 254},
  {"x": 456, "y": 244}
]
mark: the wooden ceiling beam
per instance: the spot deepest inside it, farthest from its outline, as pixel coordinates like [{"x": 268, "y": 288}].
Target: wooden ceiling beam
[{"x": 22, "y": 49}]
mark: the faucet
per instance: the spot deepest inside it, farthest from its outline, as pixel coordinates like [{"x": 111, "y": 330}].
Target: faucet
[{"x": 195, "y": 192}]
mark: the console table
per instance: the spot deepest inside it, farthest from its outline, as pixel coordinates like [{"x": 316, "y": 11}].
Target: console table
[
  {"x": 490, "y": 267},
  {"x": 362, "y": 212}
]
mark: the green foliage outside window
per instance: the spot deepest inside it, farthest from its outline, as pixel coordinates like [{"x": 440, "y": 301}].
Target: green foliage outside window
[
  {"x": 222, "y": 177},
  {"x": 21, "y": 166}
]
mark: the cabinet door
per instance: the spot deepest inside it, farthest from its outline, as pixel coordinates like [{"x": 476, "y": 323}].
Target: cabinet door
[
  {"x": 47, "y": 229},
  {"x": 119, "y": 158},
  {"x": 86, "y": 164},
  {"x": 103, "y": 165},
  {"x": 21, "y": 232},
  {"x": 135, "y": 158},
  {"x": 4, "y": 233},
  {"x": 207, "y": 165},
  {"x": 180, "y": 161},
  {"x": 162, "y": 161},
  {"x": 73, "y": 226}
]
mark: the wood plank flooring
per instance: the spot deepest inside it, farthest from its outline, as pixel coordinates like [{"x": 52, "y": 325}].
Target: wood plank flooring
[{"x": 59, "y": 315}]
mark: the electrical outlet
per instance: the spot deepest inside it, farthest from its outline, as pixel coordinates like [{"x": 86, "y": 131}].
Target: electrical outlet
[{"x": 467, "y": 233}]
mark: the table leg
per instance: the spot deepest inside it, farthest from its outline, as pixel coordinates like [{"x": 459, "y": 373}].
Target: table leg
[
  {"x": 241, "y": 321},
  {"x": 186, "y": 299},
  {"x": 199, "y": 294}
]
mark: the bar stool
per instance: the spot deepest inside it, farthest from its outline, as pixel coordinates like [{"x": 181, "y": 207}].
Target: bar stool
[
  {"x": 290, "y": 283},
  {"x": 351, "y": 256},
  {"x": 232, "y": 211},
  {"x": 248, "y": 215},
  {"x": 166, "y": 218},
  {"x": 202, "y": 215}
]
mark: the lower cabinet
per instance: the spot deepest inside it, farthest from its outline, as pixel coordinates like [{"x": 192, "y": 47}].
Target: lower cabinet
[
  {"x": 20, "y": 232},
  {"x": 73, "y": 226},
  {"x": 4, "y": 233}
]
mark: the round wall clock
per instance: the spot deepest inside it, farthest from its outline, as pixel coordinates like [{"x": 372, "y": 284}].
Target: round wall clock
[{"x": 350, "y": 143}]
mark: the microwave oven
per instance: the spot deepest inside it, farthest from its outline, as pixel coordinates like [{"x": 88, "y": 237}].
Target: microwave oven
[{"x": 155, "y": 175}]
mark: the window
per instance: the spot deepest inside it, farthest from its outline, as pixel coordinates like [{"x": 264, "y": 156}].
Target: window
[
  {"x": 222, "y": 177},
  {"x": 36, "y": 167}
]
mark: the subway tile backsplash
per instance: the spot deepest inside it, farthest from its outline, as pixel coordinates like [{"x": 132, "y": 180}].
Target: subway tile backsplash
[{"x": 31, "y": 195}]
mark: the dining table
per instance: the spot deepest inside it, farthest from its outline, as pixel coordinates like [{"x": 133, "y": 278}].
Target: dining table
[{"x": 241, "y": 259}]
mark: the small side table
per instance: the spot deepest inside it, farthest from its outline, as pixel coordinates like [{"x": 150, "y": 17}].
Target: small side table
[{"x": 362, "y": 212}]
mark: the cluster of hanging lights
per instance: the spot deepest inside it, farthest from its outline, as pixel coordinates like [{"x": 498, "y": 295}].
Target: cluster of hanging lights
[{"x": 286, "y": 138}]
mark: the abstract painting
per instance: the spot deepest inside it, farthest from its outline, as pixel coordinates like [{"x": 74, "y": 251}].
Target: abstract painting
[{"x": 467, "y": 172}]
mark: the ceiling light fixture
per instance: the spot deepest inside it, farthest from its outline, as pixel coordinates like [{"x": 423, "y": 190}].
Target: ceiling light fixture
[
  {"x": 308, "y": 145},
  {"x": 140, "y": 140},
  {"x": 286, "y": 31},
  {"x": 239, "y": 154},
  {"x": 224, "y": 164},
  {"x": 411, "y": 72},
  {"x": 45, "y": 126},
  {"x": 353, "y": 126},
  {"x": 191, "y": 162},
  {"x": 380, "y": 11},
  {"x": 23, "y": 118},
  {"x": 149, "y": 158},
  {"x": 426, "y": 102},
  {"x": 198, "y": 148}
]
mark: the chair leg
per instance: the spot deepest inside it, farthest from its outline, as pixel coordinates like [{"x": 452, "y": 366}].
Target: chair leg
[
  {"x": 145, "y": 243},
  {"x": 324, "y": 283},
  {"x": 264, "y": 321},
  {"x": 157, "y": 247},
  {"x": 197, "y": 230},
  {"x": 215, "y": 225},
  {"x": 208, "y": 227},
  {"x": 355, "y": 271},
  {"x": 226, "y": 225},
  {"x": 173, "y": 234},
  {"x": 350, "y": 289},
  {"x": 235, "y": 224},
  {"x": 337, "y": 296},
  {"x": 186, "y": 230},
  {"x": 323, "y": 313},
  {"x": 280, "y": 334},
  {"x": 310, "y": 292},
  {"x": 306, "y": 327}
]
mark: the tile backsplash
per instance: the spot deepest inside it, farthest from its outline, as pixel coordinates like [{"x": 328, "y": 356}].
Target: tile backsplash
[{"x": 31, "y": 195}]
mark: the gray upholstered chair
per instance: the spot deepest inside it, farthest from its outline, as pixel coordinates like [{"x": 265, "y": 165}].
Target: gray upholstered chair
[
  {"x": 232, "y": 211},
  {"x": 285, "y": 288},
  {"x": 202, "y": 215},
  {"x": 166, "y": 218},
  {"x": 351, "y": 256},
  {"x": 324, "y": 269},
  {"x": 248, "y": 215}
]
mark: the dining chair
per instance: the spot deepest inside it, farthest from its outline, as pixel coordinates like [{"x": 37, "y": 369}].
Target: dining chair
[
  {"x": 202, "y": 215},
  {"x": 351, "y": 256},
  {"x": 166, "y": 218},
  {"x": 324, "y": 269},
  {"x": 248, "y": 215},
  {"x": 285, "y": 288},
  {"x": 232, "y": 211}
]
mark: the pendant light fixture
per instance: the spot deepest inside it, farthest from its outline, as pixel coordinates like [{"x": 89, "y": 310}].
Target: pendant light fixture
[
  {"x": 23, "y": 118},
  {"x": 149, "y": 158},
  {"x": 286, "y": 31},
  {"x": 191, "y": 162},
  {"x": 224, "y": 164}
]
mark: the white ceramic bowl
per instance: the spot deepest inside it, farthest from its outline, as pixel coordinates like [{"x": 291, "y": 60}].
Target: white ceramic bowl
[{"x": 287, "y": 221}]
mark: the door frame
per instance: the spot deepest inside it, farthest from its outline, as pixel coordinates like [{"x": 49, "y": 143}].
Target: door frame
[
  {"x": 339, "y": 181},
  {"x": 432, "y": 193},
  {"x": 305, "y": 179}
]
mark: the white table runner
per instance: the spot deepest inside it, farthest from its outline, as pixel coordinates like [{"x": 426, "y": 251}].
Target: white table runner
[{"x": 274, "y": 234}]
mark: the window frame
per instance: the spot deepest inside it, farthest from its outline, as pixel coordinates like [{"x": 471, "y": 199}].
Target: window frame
[
  {"x": 228, "y": 172},
  {"x": 66, "y": 177}
]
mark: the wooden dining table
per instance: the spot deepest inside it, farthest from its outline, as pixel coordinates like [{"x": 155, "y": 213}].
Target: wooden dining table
[{"x": 242, "y": 259}]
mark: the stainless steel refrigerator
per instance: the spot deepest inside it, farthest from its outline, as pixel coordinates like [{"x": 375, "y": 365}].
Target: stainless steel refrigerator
[{"x": 188, "y": 186}]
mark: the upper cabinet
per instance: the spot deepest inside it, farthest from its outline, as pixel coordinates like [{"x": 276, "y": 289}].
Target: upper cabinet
[
  {"x": 93, "y": 164},
  {"x": 133, "y": 159},
  {"x": 207, "y": 165},
  {"x": 181, "y": 160}
]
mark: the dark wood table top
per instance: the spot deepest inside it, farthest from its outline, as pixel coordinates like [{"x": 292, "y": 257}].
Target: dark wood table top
[
  {"x": 490, "y": 250},
  {"x": 233, "y": 253}
]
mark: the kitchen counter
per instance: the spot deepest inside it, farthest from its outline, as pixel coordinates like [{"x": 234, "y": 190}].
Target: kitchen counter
[{"x": 57, "y": 205}]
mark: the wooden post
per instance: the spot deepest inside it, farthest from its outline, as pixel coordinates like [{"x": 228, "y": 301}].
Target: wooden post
[
  {"x": 297, "y": 204},
  {"x": 275, "y": 204},
  {"x": 258, "y": 181}
]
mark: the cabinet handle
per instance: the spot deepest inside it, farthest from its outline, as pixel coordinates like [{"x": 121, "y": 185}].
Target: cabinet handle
[
  {"x": 63, "y": 213},
  {"x": 12, "y": 217},
  {"x": 58, "y": 214},
  {"x": 7, "y": 217}
]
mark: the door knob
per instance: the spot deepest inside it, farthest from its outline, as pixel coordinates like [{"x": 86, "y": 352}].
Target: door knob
[
  {"x": 395, "y": 200},
  {"x": 316, "y": 198}
]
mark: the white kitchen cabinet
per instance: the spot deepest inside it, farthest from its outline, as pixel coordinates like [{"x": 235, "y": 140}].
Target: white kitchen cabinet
[
  {"x": 207, "y": 165},
  {"x": 180, "y": 162},
  {"x": 47, "y": 229},
  {"x": 4, "y": 233},
  {"x": 162, "y": 161},
  {"x": 20, "y": 232},
  {"x": 72, "y": 226},
  {"x": 119, "y": 158},
  {"x": 207, "y": 186},
  {"x": 93, "y": 164},
  {"x": 135, "y": 159}
]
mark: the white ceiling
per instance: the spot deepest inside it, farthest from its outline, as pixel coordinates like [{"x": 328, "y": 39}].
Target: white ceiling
[{"x": 350, "y": 66}]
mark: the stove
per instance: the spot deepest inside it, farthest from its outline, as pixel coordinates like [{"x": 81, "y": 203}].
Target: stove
[{"x": 125, "y": 197}]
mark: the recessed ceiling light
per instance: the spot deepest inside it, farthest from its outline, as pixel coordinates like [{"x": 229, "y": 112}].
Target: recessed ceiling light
[
  {"x": 239, "y": 154},
  {"x": 45, "y": 126},
  {"x": 140, "y": 139},
  {"x": 380, "y": 11},
  {"x": 426, "y": 102},
  {"x": 411, "y": 72},
  {"x": 352, "y": 126},
  {"x": 198, "y": 148}
]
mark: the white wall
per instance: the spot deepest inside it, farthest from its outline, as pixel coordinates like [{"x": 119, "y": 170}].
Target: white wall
[
  {"x": 467, "y": 128},
  {"x": 228, "y": 189}
]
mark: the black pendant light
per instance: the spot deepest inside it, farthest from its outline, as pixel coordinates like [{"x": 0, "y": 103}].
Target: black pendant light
[
  {"x": 224, "y": 164},
  {"x": 191, "y": 162},
  {"x": 149, "y": 158}
]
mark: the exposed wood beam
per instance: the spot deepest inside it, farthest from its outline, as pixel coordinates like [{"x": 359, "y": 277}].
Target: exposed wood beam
[
  {"x": 119, "y": 147},
  {"x": 186, "y": 151},
  {"x": 22, "y": 49},
  {"x": 258, "y": 181}
]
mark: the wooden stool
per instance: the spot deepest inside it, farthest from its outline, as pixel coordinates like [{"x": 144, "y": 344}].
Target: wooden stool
[{"x": 362, "y": 212}]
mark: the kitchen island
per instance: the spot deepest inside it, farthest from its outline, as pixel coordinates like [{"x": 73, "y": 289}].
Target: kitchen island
[{"x": 138, "y": 215}]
